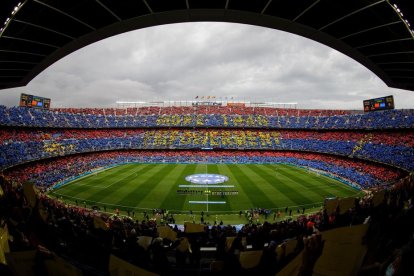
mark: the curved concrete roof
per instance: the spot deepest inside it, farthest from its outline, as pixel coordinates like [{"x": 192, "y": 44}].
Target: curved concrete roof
[{"x": 37, "y": 33}]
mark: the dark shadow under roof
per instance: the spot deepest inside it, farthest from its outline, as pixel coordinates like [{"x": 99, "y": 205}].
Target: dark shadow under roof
[{"x": 37, "y": 33}]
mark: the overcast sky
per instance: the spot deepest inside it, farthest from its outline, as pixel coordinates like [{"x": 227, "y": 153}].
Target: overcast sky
[{"x": 182, "y": 61}]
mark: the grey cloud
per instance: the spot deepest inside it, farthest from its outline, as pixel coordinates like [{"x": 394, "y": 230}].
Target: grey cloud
[{"x": 181, "y": 61}]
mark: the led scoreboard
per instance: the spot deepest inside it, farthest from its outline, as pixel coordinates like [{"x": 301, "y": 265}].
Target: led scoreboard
[
  {"x": 382, "y": 103},
  {"x": 34, "y": 101}
]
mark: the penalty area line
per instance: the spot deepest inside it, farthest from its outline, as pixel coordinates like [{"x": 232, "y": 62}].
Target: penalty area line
[{"x": 98, "y": 202}]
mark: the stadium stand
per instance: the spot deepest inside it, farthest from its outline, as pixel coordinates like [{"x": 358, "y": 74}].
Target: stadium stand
[
  {"x": 111, "y": 118},
  {"x": 20, "y": 145},
  {"x": 372, "y": 152},
  {"x": 368, "y": 235}
]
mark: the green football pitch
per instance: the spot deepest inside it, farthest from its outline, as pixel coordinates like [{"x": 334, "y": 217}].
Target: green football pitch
[{"x": 144, "y": 187}]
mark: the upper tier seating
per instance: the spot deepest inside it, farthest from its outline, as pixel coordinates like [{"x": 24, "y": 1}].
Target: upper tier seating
[{"x": 121, "y": 118}]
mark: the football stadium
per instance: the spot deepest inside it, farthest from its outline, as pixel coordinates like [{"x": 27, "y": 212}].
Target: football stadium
[{"x": 213, "y": 185}]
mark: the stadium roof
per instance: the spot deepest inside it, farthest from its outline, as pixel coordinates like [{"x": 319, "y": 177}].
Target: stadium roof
[{"x": 37, "y": 33}]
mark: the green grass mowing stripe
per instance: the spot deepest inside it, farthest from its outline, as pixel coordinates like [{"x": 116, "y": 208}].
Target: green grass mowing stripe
[
  {"x": 74, "y": 185},
  {"x": 343, "y": 188},
  {"x": 266, "y": 182},
  {"x": 306, "y": 183},
  {"x": 242, "y": 200},
  {"x": 330, "y": 185},
  {"x": 236, "y": 202},
  {"x": 320, "y": 179},
  {"x": 335, "y": 187},
  {"x": 95, "y": 178},
  {"x": 284, "y": 192},
  {"x": 286, "y": 187},
  {"x": 114, "y": 179},
  {"x": 118, "y": 177},
  {"x": 172, "y": 200},
  {"x": 167, "y": 188},
  {"x": 160, "y": 195},
  {"x": 141, "y": 189},
  {"x": 255, "y": 195},
  {"x": 254, "y": 185},
  {"x": 156, "y": 196},
  {"x": 215, "y": 169},
  {"x": 139, "y": 173},
  {"x": 103, "y": 174},
  {"x": 201, "y": 169},
  {"x": 142, "y": 174},
  {"x": 109, "y": 193},
  {"x": 89, "y": 178},
  {"x": 73, "y": 189}
]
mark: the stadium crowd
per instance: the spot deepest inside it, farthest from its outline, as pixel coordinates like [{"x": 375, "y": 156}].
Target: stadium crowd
[
  {"x": 20, "y": 145},
  {"x": 371, "y": 151},
  {"x": 390, "y": 119},
  {"x": 207, "y": 137},
  {"x": 206, "y": 109}
]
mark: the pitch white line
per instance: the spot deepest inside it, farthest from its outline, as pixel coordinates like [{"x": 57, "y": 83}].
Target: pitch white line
[
  {"x": 93, "y": 186},
  {"x": 99, "y": 202},
  {"x": 135, "y": 171}
]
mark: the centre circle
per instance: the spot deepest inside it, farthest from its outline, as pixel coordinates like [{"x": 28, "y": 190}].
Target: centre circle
[{"x": 206, "y": 178}]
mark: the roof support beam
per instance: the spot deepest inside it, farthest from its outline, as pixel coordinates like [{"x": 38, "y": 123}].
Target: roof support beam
[
  {"x": 391, "y": 53},
  {"x": 401, "y": 77},
  {"x": 43, "y": 28},
  {"x": 306, "y": 10},
  {"x": 30, "y": 41},
  {"x": 396, "y": 62},
  {"x": 18, "y": 61},
  {"x": 148, "y": 6},
  {"x": 265, "y": 7},
  {"x": 12, "y": 76},
  {"x": 65, "y": 14},
  {"x": 108, "y": 10},
  {"x": 350, "y": 14},
  {"x": 384, "y": 42},
  {"x": 14, "y": 69},
  {"x": 370, "y": 29},
  {"x": 21, "y": 52},
  {"x": 398, "y": 69}
]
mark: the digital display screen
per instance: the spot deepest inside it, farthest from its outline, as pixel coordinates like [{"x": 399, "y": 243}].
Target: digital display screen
[
  {"x": 27, "y": 100},
  {"x": 376, "y": 104}
]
